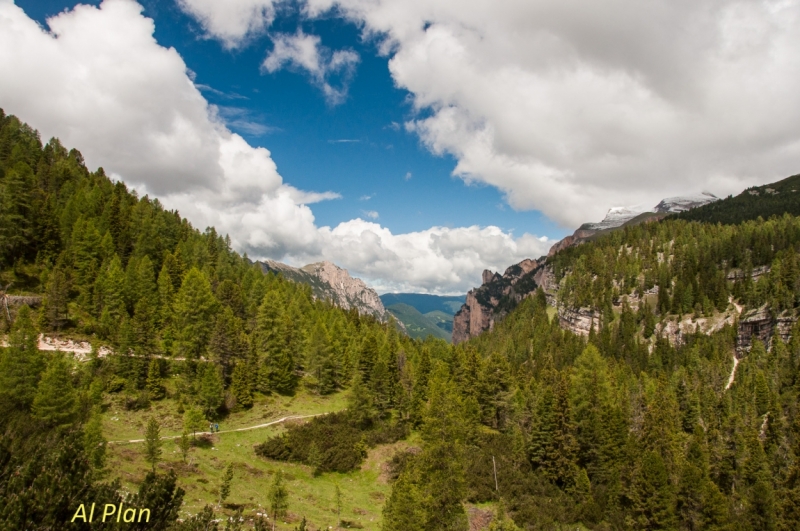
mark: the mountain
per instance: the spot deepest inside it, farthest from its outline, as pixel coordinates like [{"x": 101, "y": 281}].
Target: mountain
[
  {"x": 417, "y": 325},
  {"x": 775, "y": 199},
  {"x": 433, "y": 314},
  {"x": 330, "y": 282},
  {"x": 618, "y": 217},
  {"x": 425, "y": 303},
  {"x": 497, "y": 295}
]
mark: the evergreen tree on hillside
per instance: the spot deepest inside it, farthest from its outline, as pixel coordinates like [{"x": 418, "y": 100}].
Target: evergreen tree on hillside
[
  {"x": 21, "y": 364},
  {"x": 194, "y": 307},
  {"x": 55, "y": 401}
]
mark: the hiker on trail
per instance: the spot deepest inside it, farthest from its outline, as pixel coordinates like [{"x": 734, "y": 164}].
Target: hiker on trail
[
  {"x": 216, "y": 427},
  {"x": 211, "y": 427}
]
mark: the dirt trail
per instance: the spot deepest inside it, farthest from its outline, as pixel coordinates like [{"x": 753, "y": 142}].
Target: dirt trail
[
  {"x": 284, "y": 419},
  {"x": 733, "y": 372}
]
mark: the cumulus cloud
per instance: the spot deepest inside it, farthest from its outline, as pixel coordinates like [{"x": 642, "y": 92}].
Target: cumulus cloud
[
  {"x": 571, "y": 108},
  {"x": 306, "y": 53},
  {"x": 99, "y": 81},
  {"x": 233, "y": 22}
]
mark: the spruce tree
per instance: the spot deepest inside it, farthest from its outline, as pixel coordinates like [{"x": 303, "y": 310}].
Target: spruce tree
[
  {"x": 240, "y": 386},
  {"x": 152, "y": 443},
  {"x": 278, "y": 497},
  {"x": 21, "y": 364},
  {"x": 194, "y": 308},
  {"x": 155, "y": 384},
  {"x": 652, "y": 497},
  {"x": 184, "y": 444},
  {"x": 225, "y": 485},
  {"x": 94, "y": 441},
  {"x": 193, "y": 421},
  {"x": 211, "y": 393},
  {"x": 55, "y": 401}
]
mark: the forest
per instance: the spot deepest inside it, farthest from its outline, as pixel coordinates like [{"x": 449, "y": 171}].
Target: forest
[{"x": 624, "y": 428}]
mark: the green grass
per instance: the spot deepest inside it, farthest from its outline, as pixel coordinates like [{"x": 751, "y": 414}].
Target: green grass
[{"x": 363, "y": 491}]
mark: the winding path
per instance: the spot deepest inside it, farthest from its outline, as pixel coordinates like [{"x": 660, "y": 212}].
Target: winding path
[
  {"x": 284, "y": 419},
  {"x": 733, "y": 372}
]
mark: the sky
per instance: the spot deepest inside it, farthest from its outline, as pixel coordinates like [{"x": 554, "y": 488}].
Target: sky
[{"x": 413, "y": 142}]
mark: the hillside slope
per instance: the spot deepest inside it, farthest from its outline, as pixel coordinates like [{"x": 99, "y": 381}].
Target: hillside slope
[
  {"x": 775, "y": 199},
  {"x": 416, "y": 324}
]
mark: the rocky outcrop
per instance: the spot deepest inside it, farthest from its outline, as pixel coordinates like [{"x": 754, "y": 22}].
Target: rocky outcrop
[
  {"x": 760, "y": 324},
  {"x": 345, "y": 291},
  {"x": 579, "y": 321},
  {"x": 18, "y": 300},
  {"x": 497, "y": 295},
  {"x": 330, "y": 282}
]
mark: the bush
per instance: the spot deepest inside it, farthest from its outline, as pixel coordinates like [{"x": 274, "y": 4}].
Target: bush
[{"x": 338, "y": 445}]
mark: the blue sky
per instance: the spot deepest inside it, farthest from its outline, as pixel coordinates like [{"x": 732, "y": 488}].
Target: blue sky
[
  {"x": 358, "y": 148},
  {"x": 413, "y": 142}
]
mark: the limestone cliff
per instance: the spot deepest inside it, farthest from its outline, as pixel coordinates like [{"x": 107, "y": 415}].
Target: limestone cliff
[
  {"x": 497, "y": 295},
  {"x": 330, "y": 282}
]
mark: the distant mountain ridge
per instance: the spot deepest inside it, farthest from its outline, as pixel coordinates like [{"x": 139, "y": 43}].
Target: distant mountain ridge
[
  {"x": 330, "y": 282},
  {"x": 617, "y": 217},
  {"x": 422, "y": 314},
  {"x": 424, "y": 302}
]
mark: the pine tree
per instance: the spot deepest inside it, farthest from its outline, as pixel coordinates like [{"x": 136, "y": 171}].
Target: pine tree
[
  {"x": 55, "y": 401},
  {"x": 652, "y": 498},
  {"x": 184, "y": 444},
  {"x": 21, "y": 364},
  {"x": 152, "y": 443},
  {"x": 278, "y": 497},
  {"x": 194, "y": 309},
  {"x": 155, "y": 385},
  {"x": 55, "y": 311},
  {"x": 228, "y": 342},
  {"x": 94, "y": 441},
  {"x": 225, "y": 485},
  {"x": 193, "y": 421},
  {"x": 240, "y": 386},
  {"x": 211, "y": 393},
  {"x": 494, "y": 390}
]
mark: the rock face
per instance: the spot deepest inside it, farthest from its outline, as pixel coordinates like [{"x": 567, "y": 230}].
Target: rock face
[
  {"x": 762, "y": 325},
  {"x": 580, "y": 321},
  {"x": 345, "y": 291},
  {"x": 331, "y": 282},
  {"x": 494, "y": 298}
]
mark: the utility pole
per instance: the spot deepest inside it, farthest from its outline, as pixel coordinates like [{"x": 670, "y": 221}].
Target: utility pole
[{"x": 494, "y": 466}]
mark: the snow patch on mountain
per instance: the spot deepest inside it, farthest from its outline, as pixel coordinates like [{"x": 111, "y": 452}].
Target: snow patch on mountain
[{"x": 618, "y": 216}]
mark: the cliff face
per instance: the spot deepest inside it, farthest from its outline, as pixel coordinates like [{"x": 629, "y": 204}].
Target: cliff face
[
  {"x": 331, "y": 282},
  {"x": 345, "y": 291},
  {"x": 496, "y": 296}
]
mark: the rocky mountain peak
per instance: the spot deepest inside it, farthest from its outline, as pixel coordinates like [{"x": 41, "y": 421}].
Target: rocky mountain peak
[{"x": 331, "y": 282}]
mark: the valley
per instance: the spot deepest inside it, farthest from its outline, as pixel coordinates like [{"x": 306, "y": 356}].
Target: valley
[{"x": 644, "y": 376}]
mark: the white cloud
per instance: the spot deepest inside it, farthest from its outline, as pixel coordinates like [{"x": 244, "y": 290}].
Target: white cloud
[
  {"x": 321, "y": 64},
  {"x": 371, "y": 214},
  {"x": 366, "y": 197},
  {"x": 407, "y": 176},
  {"x": 100, "y": 82},
  {"x": 233, "y": 21},
  {"x": 438, "y": 260},
  {"x": 571, "y": 107}
]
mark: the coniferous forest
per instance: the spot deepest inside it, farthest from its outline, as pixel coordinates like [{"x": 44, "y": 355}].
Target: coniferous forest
[{"x": 631, "y": 426}]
